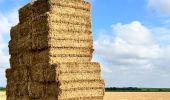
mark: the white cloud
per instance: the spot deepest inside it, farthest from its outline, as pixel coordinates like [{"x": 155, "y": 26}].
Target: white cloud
[
  {"x": 7, "y": 19},
  {"x": 134, "y": 55},
  {"x": 162, "y": 7}
]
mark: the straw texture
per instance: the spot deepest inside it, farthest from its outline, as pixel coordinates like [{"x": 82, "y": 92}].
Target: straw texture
[{"x": 51, "y": 51}]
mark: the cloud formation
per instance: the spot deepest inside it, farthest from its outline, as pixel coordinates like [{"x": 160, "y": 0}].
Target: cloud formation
[
  {"x": 131, "y": 56},
  {"x": 7, "y": 19},
  {"x": 162, "y": 7}
]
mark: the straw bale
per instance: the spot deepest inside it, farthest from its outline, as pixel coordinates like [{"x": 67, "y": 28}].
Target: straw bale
[
  {"x": 40, "y": 57},
  {"x": 59, "y": 18},
  {"x": 37, "y": 73},
  {"x": 22, "y": 89},
  {"x": 14, "y": 32},
  {"x": 69, "y": 27},
  {"x": 78, "y": 76},
  {"x": 40, "y": 6},
  {"x": 25, "y": 97},
  {"x": 13, "y": 46},
  {"x": 43, "y": 72},
  {"x": 69, "y": 10},
  {"x": 70, "y": 35},
  {"x": 75, "y": 67},
  {"x": 12, "y": 76},
  {"x": 25, "y": 12},
  {"x": 23, "y": 73},
  {"x": 25, "y": 58},
  {"x": 14, "y": 61},
  {"x": 10, "y": 97},
  {"x": 72, "y": 4},
  {"x": 66, "y": 31},
  {"x": 50, "y": 73},
  {"x": 36, "y": 90},
  {"x": 81, "y": 84},
  {"x": 80, "y": 94},
  {"x": 69, "y": 59},
  {"x": 39, "y": 42},
  {"x": 52, "y": 89},
  {"x": 11, "y": 89},
  {"x": 43, "y": 43},
  {"x": 24, "y": 29},
  {"x": 24, "y": 44},
  {"x": 40, "y": 23},
  {"x": 70, "y": 43},
  {"x": 50, "y": 98},
  {"x": 32, "y": 10},
  {"x": 71, "y": 51}
]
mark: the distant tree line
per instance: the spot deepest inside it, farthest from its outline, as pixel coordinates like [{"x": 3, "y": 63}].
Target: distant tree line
[
  {"x": 2, "y": 89},
  {"x": 135, "y": 89}
]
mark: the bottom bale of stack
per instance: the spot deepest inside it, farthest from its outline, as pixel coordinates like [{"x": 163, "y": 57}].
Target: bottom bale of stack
[{"x": 81, "y": 94}]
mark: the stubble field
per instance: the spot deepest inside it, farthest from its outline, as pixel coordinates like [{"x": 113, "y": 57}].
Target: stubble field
[
  {"x": 126, "y": 96},
  {"x": 137, "y": 96}
]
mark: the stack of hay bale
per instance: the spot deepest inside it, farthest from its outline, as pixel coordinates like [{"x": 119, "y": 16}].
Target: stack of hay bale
[{"x": 51, "y": 51}]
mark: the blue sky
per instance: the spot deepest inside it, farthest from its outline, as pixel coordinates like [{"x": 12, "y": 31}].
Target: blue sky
[{"x": 131, "y": 40}]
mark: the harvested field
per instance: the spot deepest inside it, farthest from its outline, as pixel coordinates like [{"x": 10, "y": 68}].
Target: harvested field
[
  {"x": 2, "y": 96},
  {"x": 137, "y": 96},
  {"x": 126, "y": 96}
]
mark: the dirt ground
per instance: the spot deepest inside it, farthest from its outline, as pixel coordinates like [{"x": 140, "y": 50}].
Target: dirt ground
[{"x": 126, "y": 96}]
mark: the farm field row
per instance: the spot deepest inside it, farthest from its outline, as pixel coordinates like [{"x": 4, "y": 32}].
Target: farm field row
[{"x": 126, "y": 96}]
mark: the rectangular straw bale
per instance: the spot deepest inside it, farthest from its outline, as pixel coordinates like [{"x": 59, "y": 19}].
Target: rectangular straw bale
[
  {"x": 80, "y": 94},
  {"x": 69, "y": 59},
  {"x": 72, "y": 4},
  {"x": 24, "y": 45},
  {"x": 36, "y": 90},
  {"x": 70, "y": 51},
  {"x": 25, "y": 58},
  {"x": 44, "y": 42},
  {"x": 26, "y": 97},
  {"x": 43, "y": 72},
  {"x": 40, "y": 57},
  {"x": 75, "y": 67},
  {"x": 13, "y": 97},
  {"x": 69, "y": 27},
  {"x": 24, "y": 29},
  {"x": 39, "y": 42},
  {"x": 68, "y": 10},
  {"x": 79, "y": 76},
  {"x": 61, "y": 35},
  {"x": 13, "y": 46},
  {"x": 12, "y": 76},
  {"x": 52, "y": 89},
  {"x": 70, "y": 43},
  {"x": 63, "y": 31},
  {"x": 37, "y": 73},
  {"x": 25, "y": 13},
  {"x": 40, "y": 23},
  {"x": 82, "y": 84},
  {"x": 11, "y": 89},
  {"x": 40, "y": 7},
  {"x": 70, "y": 35},
  {"x": 59, "y": 18},
  {"x": 50, "y": 98},
  {"x": 14, "y": 61},
  {"x": 14, "y": 32},
  {"x": 23, "y": 73},
  {"x": 50, "y": 73},
  {"x": 22, "y": 89}
]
